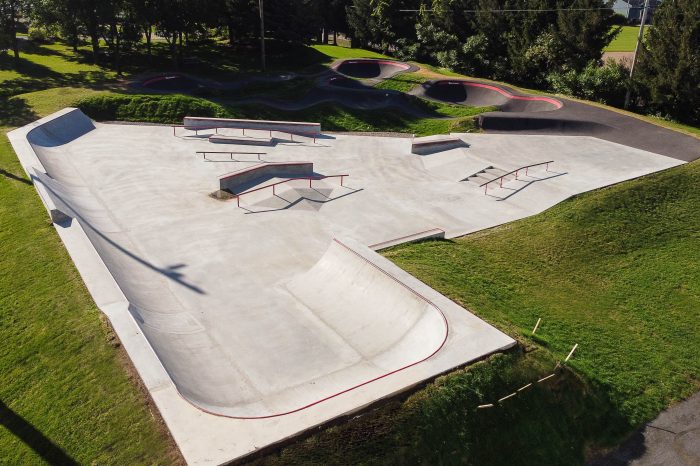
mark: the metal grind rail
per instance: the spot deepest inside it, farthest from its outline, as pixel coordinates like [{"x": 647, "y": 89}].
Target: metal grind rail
[
  {"x": 217, "y": 128},
  {"x": 231, "y": 153},
  {"x": 310, "y": 178},
  {"x": 500, "y": 178}
]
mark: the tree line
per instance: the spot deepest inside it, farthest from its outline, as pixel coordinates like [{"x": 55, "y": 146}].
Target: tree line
[{"x": 555, "y": 45}]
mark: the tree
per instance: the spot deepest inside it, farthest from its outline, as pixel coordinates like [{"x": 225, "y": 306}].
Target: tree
[
  {"x": 669, "y": 61},
  {"x": 10, "y": 13}
]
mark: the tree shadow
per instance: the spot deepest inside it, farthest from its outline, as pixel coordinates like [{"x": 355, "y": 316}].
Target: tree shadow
[
  {"x": 33, "y": 438},
  {"x": 15, "y": 112},
  {"x": 12, "y": 176}
]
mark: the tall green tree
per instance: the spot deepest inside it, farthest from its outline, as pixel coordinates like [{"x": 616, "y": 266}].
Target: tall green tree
[
  {"x": 11, "y": 11},
  {"x": 669, "y": 64}
]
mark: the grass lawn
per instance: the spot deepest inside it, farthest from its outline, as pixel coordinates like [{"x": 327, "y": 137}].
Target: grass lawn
[
  {"x": 402, "y": 82},
  {"x": 334, "y": 52},
  {"x": 626, "y": 41},
  {"x": 616, "y": 271},
  {"x": 64, "y": 392}
]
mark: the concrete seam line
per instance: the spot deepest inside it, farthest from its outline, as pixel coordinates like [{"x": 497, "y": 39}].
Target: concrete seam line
[{"x": 442, "y": 314}]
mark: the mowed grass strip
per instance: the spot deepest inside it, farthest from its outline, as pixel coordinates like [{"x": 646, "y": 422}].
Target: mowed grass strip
[
  {"x": 65, "y": 392},
  {"x": 616, "y": 271},
  {"x": 626, "y": 40}
]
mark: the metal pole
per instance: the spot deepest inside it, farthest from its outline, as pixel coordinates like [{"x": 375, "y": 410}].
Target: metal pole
[
  {"x": 262, "y": 34},
  {"x": 640, "y": 36}
]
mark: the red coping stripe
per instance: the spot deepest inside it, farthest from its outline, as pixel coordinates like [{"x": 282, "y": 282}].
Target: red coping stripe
[
  {"x": 354, "y": 387},
  {"x": 505, "y": 93}
]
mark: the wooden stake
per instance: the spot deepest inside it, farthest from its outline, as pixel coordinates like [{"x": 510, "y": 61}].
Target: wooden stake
[
  {"x": 571, "y": 352},
  {"x": 536, "y": 325}
]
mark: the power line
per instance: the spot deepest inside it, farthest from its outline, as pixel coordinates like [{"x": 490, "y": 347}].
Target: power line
[{"x": 523, "y": 10}]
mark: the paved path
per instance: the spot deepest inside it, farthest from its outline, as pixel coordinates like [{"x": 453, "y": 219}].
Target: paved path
[{"x": 672, "y": 439}]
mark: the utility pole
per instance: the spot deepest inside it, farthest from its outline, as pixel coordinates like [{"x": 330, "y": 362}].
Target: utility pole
[
  {"x": 262, "y": 34},
  {"x": 640, "y": 37}
]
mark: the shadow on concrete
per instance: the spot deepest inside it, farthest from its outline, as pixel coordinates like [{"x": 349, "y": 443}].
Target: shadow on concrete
[
  {"x": 294, "y": 202},
  {"x": 170, "y": 272},
  {"x": 33, "y": 438},
  {"x": 525, "y": 183}
]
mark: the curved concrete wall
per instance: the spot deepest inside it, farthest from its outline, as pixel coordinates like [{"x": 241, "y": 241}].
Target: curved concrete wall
[{"x": 340, "y": 325}]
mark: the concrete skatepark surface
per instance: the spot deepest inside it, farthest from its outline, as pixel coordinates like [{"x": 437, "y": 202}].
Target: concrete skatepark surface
[{"x": 278, "y": 310}]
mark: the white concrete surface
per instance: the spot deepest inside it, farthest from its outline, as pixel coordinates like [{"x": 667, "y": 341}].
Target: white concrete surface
[{"x": 278, "y": 311}]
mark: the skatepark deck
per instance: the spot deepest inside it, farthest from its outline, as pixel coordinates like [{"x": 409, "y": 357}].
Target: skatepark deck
[{"x": 284, "y": 314}]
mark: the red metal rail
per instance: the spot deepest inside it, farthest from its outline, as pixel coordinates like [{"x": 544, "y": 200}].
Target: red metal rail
[
  {"x": 310, "y": 178},
  {"x": 217, "y": 128},
  {"x": 500, "y": 178}
]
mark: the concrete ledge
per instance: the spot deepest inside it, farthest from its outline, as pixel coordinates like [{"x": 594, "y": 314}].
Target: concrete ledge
[
  {"x": 220, "y": 139},
  {"x": 295, "y": 127},
  {"x": 431, "y": 144},
  {"x": 433, "y": 233},
  {"x": 241, "y": 180}
]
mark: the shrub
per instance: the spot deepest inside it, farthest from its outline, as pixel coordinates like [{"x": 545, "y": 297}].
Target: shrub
[
  {"x": 42, "y": 34},
  {"x": 150, "y": 108},
  {"x": 606, "y": 84}
]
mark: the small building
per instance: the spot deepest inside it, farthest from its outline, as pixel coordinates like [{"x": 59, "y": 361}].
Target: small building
[{"x": 632, "y": 9}]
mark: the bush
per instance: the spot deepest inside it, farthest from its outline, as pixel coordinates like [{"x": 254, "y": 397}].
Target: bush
[
  {"x": 606, "y": 84},
  {"x": 42, "y": 34},
  {"x": 155, "y": 109}
]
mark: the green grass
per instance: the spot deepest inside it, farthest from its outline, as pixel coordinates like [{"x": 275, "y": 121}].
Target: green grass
[
  {"x": 172, "y": 108},
  {"x": 47, "y": 66},
  {"x": 402, "y": 82},
  {"x": 62, "y": 378},
  {"x": 626, "y": 40},
  {"x": 334, "y": 52},
  {"x": 616, "y": 271}
]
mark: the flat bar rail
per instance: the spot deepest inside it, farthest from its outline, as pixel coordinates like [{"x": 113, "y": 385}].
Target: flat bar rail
[
  {"x": 526, "y": 167},
  {"x": 217, "y": 128},
  {"x": 310, "y": 178},
  {"x": 230, "y": 152}
]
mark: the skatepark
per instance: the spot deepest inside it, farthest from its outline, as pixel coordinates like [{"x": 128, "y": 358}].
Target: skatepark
[{"x": 243, "y": 279}]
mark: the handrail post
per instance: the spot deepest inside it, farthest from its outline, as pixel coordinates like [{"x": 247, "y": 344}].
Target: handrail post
[
  {"x": 173, "y": 131},
  {"x": 500, "y": 182},
  {"x": 309, "y": 182},
  {"x": 273, "y": 190},
  {"x": 243, "y": 131},
  {"x": 238, "y": 200},
  {"x": 516, "y": 174},
  {"x": 526, "y": 171},
  {"x": 547, "y": 167}
]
